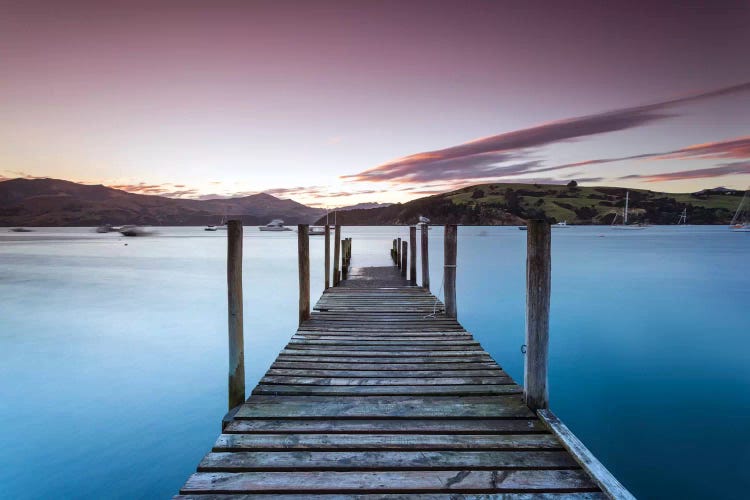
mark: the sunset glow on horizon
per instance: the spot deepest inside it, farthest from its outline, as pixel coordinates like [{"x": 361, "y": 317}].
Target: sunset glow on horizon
[{"x": 335, "y": 103}]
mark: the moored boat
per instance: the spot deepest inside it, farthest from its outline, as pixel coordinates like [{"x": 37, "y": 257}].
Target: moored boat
[
  {"x": 625, "y": 225},
  {"x": 741, "y": 220},
  {"x": 132, "y": 230},
  {"x": 316, "y": 231},
  {"x": 274, "y": 225}
]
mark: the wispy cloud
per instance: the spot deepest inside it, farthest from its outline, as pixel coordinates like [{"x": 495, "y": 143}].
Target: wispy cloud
[
  {"x": 488, "y": 157},
  {"x": 733, "y": 168},
  {"x": 738, "y": 148}
]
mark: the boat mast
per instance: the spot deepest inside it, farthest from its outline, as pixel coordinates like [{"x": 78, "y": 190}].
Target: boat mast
[
  {"x": 736, "y": 217},
  {"x": 683, "y": 217},
  {"x": 625, "y": 215}
]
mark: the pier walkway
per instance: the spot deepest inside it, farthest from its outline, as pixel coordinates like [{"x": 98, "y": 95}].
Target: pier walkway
[{"x": 380, "y": 395}]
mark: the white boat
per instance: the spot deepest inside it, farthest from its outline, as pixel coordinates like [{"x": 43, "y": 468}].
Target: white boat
[
  {"x": 316, "y": 231},
  {"x": 221, "y": 225},
  {"x": 131, "y": 230},
  {"x": 682, "y": 221},
  {"x": 559, "y": 225},
  {"x": 741, "y": 220},
  {"x": 625, "y": 224},
  {"x": 274, "y": 225},
  {"x": 423, "y": 222}
]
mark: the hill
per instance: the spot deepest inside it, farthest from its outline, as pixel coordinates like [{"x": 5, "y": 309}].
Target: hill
[
  {"x": 512, "y": 204},
  {"x": 53, "y": 202}
]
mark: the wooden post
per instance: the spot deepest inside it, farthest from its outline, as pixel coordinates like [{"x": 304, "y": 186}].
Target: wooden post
[
  {"x": 404, "y": 254},
  {"x": 449, "y": 269},
  {"x": 234, "y": 295},
  {"x": 303, "y": 254},
  {"x": 328, "y": 257},
  {"x": 425, "y": 259},
  {"x": 336, "y": 254},
  {"x": 538, "y": 282},
  {"x": 413, "y": 256},
  {"x": 344, "y": 262},
  {"x": 398, "y": 252},
  {"x": 394, "y": 252}
]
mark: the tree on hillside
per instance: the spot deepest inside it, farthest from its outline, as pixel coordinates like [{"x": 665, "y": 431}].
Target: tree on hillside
[{"x": 572, "y": 184}]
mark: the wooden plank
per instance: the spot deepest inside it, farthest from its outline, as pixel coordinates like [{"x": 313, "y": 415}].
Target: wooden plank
[
  {"x": 389, "y": 368},
  {"x": 408, "y": 376},
  {"x": 397, "y": 496},
  {"x": 383, "y": 381},
  {"x": 373, "y": 407},
  {"x": 380, "y": 380},
  {"x": 559, "y": 481},
  {"x": 385, "y": 460},
  {"x": 599, "y": 474},
  {"x": 349, "y": 353},
  {"x": 387, "y": 426},
  {"x": 503, "y": 442},
  {"x": 384, "y": 360},
  {"x": 389, "y": 390},
  {"x": 380, "y": 342},
  {"x": 432, "y": 349}
]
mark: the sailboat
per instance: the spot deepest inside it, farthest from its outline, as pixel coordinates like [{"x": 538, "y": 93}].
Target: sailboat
[
  {"x": 624, "y": 224},
  {"x": 682, "y": 221},
  {"x": 741, "y": 220},
  {"x": 222, "y": 225}
]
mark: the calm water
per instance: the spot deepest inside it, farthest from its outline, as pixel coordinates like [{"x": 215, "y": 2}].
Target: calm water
[{"x": 113, "y": 350}]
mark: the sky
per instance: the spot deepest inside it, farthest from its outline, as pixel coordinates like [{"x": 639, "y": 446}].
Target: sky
[{"x": 333, "y": 103}]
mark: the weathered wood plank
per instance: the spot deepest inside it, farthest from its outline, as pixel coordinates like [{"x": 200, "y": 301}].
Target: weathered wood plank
[
  {"x": 389, "y": 390},
  {"x": 375, "y": 374},
  {"x": 397, "y": 496},
  {"x": 400, "y": 368},
  {"x": 369, "y": 407},
  {"x": 379, "y": 353},
  {"x": 503, "y": 442},
  {"x": 381, "y": 342},
  {"x": 385, "y": 460},
  {"x": 387, "y": 426},
  {"x": 396, "y": 481},
  {"x": 385, "y": 360}
]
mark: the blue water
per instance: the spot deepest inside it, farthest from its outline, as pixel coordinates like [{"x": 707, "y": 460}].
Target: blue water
[{"x": 113, "y": 350}]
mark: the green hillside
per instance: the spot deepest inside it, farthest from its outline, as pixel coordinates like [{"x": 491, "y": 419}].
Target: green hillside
[{"x": 503, "y": 204}]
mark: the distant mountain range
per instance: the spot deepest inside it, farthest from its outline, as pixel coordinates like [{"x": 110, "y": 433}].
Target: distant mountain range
[
  {"x": 52, "y": 202},
  {"x": 513, "y": 204}
]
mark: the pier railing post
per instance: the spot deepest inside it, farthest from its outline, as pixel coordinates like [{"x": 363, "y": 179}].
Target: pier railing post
[
  {"x": 336, "y": 254},
  {"x": 425, "y": 259},
  {"x": 303, "y": 253},
  {"x": 327, "y": 257},
  {"x": 398, "y": 252},
  {"x": 404, "y": 257},
  {"x": 413, "y": 255},
  {"x": 234, "y": 295},
  {"x": 345, "y": 258},
  {"x": 538, "y": 286},
  {"x": 450, "y": 252}
]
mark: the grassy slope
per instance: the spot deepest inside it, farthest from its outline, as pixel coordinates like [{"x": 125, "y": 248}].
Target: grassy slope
[
  {"x": 511, "y": 203},
  {"x": 597, "y": 205}
]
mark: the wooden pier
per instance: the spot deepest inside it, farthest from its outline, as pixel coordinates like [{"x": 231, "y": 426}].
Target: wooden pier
[{"x": 381, "y": 394}]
